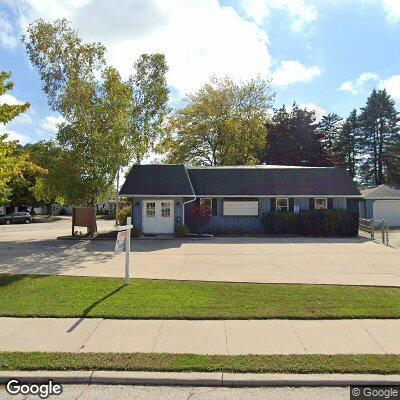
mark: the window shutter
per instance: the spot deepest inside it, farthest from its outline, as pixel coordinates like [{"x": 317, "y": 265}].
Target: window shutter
[
  {"x": 291, "y": 204},
  {"x": 214, "y": 206},
  {"x": 273, "y": 203},
  {"x": 311, "y": 203},
  {"x": 330, "y": 203}
]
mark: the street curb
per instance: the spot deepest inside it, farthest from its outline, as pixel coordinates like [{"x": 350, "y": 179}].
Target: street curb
[{"x": 210, "y": 379}]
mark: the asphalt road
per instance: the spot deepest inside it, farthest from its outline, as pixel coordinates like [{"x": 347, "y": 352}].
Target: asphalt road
[
  {"x": 45, "y": 230},
  {"x": 107, "y": 392}
]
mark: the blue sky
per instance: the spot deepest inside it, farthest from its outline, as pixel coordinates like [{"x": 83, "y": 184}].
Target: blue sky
[{"x": 324, "y": 54}]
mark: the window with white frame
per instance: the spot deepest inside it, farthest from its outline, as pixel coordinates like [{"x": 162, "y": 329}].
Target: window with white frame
[
  {"x": 282, "y": 204},
  {"x": 206, "y": 203},
  {"x": 150, "y": 210},
  {"x": 165, "y": 209},
  {"x": 321, "y": 203}
]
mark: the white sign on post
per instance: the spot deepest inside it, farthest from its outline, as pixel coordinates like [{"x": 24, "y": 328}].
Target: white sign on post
[
  {"x": 124, "y": 236},
  {"x": 296, "y": 209},
  {"x": 120, "y": 243}
]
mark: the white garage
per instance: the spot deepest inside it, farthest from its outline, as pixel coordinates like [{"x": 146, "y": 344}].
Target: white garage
[
  {"x": 388, "y": 210},
  {"x": 382, "y": 202}
]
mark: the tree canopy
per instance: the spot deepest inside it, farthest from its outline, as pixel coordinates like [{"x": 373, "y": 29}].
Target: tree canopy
[
  {"x": 94, "y": 102},
  {"x": 223, "y": 123},
  {"x": 14, "y": 163},
  {"x": 293, "y": 139}
]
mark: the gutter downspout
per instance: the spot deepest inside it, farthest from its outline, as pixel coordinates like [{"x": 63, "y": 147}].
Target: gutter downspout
[{"x": 189, "y": 201}]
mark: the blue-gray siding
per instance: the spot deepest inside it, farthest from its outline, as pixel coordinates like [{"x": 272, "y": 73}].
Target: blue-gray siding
[{"x": 230, "y": 224}]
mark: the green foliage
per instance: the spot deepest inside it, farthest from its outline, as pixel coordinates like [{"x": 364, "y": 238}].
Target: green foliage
[
  {"x": 293, "y": 139},
  {"x": 123, "y": 214},
  {"x": 149, "y": 107},
  {"x": 9, "y": 111},
  {"x": 135, "y": 233},
  {"x": 347, "y": 144},
  {"x": 181, "y": 231},
  {"x": 223, "y": 123},
  {"x": 312, "y": 223},
  {"x": 380, "y": 140},
  {"x": 94, "y": 103},
  {"x": 328, "y": 130},
  {"x": 16, "y": 169}
]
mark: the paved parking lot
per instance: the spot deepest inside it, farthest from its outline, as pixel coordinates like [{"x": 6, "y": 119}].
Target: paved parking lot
[{"x": 351, "y": 261}]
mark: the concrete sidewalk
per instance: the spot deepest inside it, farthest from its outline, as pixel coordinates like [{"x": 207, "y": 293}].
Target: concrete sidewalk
[{"x": 201, "y": 337}]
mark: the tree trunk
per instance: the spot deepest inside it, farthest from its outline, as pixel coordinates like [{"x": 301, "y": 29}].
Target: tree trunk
[{"x": 93, "y": 228}]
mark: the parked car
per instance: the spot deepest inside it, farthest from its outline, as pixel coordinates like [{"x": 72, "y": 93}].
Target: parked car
[{"x": 19, "y": 217}]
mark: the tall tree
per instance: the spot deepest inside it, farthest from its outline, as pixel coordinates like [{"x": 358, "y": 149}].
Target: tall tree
[
  {"x": 293, "y": 139},
  {"x": 328, "y": 128},
  {"x": 93, "y": 101},
  {"x": 346, "y": 146},
  {"x": 47, "y": 188},
  {"x": 223, "y": 123},
  {"x": 13, "y": 162},
  {"x": 149, "y": 105},
  {"x": 379, "y": 137}
]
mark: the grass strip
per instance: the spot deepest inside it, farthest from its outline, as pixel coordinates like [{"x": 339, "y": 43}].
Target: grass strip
[
  {"x": 362, "y": 364},
  {"x": 67, "y": 296}
]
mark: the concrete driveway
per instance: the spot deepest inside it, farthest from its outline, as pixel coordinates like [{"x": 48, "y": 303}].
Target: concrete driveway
[{"x": 347, "y": 261}]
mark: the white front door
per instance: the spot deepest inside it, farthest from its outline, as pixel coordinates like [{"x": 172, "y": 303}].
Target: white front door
[{"x": 158, "y": 216}]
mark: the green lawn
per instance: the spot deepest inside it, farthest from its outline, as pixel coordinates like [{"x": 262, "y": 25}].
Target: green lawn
[
  {"x": 365, "y": 363},
  {"x": 63, "y": 296}
]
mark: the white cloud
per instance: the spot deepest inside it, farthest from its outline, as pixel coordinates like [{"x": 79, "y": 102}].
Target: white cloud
[
  {"x": 392, "y": 10},
  {"x": 7, "y": 98},
  {"x": 299, "y": 11},
  {"x": 291, "y": 71},
  {"x": 356, "y": 86},
  {"x": 198, "y": 38},
  {"x": 13, "y": 135},
  {"x": 392, "y": 85},
  {"x": 49, "y": 126},
  {"x": 319, "y": 111},
  {"x": 7, "y": 37}
]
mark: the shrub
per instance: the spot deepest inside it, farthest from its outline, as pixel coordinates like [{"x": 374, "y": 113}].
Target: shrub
[
  {"x": 123, "y": 214},
  {"x": 312, "y": 223},
  {"x": 102, "y": 212},
  {"x": 135, "y": 232},
  {"x": 181, "y": 231},
  {"x": 198, "y": 217}
]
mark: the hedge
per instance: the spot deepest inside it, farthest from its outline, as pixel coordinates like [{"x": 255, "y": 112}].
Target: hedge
[{"x": 312, "y": 223}]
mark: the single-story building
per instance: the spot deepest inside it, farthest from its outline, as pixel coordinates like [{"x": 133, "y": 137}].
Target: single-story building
[
  {"x": 381, "y": 202},
  {"x": 238, "y": 196}
]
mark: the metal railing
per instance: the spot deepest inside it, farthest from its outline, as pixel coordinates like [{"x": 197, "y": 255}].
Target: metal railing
[{"x": 370, "y": 225}]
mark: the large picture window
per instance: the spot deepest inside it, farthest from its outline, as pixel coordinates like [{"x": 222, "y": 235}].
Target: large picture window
[
  {"x": 206, "y": 203},
  {"x": 321, "y": 203},
  {"x": 282, "y": 204},
  {"x": 241, "y": 208}
]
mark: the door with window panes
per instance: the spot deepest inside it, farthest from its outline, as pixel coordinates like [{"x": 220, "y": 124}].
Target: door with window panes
[{"x": 158, "y": 216}]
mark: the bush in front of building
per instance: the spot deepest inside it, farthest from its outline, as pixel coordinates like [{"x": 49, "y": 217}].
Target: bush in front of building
[
  {"x": 181, "y": 230},
  {"x": 312, "y": 223},
  {"x": 123, "y": 214}
]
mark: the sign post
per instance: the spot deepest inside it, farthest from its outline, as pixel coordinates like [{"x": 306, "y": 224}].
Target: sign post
[{"x": 124, "y": 237}]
